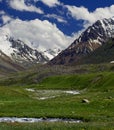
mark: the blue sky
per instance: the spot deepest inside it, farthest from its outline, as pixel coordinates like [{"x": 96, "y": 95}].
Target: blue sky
[{"x": 67, "y": 17}]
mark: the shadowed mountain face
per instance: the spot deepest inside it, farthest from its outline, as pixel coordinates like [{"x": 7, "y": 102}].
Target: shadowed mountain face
[
  {"x": 92, "y": 38},
  {"x": 7, "y": 66},
  {"x": 103, "y": 54}
]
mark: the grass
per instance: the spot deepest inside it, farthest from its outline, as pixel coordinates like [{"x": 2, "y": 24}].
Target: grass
[
  {"x": 99, "y": 81},
  {"x": 57, "y": 126},
  {"x": 36, "y": 74},
  {"x": 98, "y": 88}
]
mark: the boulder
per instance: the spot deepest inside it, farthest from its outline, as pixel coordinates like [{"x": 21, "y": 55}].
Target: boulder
[{"x": 85, "y": 101}]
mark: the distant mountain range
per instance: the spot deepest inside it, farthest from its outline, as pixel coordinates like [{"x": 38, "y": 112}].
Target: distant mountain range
[
  {"x": 16, "y": 52},
  {"x": 19, "y": 52},
  {"x": 91, "y": 39}
]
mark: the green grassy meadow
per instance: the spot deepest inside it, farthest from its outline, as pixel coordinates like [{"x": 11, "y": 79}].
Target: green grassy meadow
[{"x": 98, "y": 114}]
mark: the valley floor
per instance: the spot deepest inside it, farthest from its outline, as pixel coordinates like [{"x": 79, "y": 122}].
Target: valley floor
[{"x": 88, "y": 97}]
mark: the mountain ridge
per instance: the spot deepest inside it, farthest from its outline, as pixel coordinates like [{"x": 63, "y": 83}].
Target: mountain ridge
[{"x": 91, "y": 39}]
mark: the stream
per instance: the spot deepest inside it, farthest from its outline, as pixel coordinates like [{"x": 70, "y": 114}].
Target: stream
[
  {"x": 49, "y": 94},
  {"x": 34, "y": 120},
  {"x": 43, "y": 95}
]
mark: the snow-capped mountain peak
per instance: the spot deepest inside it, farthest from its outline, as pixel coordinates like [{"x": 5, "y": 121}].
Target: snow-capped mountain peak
[
  {"x": 95, "y": 35},
  {"x": 18, "y": 51},
  {"x": 52, "y": 53},
  {"x": 21, "y": 51}
]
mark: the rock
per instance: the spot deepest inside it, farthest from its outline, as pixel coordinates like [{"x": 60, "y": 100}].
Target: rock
[
  {"x": 85, "y": 101},
  {"x": 109, "y": 97},
  {"x": 44, "y": 118},
  {"x": 112, "y": 62}
]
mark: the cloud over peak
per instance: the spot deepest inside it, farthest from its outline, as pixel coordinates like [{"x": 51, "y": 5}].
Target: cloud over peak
[{"x": 38, "y": 34}]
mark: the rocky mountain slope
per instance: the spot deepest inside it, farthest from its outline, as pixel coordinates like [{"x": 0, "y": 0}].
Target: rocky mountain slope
[
  {"x": 23, "y": 53},
  {"x": 91, "y": 39},
  {"x": 103, "y": 54}
]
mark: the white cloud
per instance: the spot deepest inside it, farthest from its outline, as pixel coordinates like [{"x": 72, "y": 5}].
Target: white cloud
[
  {"x": 77, "y": 34},
  {"x": 22, "y": 6},
  {"x": 6, "y": 19},
  {"x": 83, "y": 13},
  {"x": 50, "y": 3},
  {"x": 42, "y": 34},
  {"x": 2, "y": 12},
  {"x": 58, "y": 18}
]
